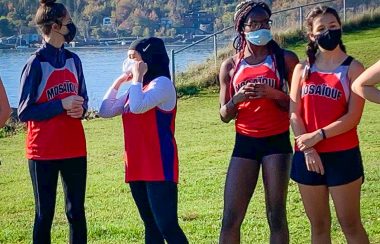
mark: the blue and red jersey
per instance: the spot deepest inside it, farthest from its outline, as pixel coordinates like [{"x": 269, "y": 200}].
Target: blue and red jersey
[
  {"x": 324, "y": 98},
  {"x": 49, "y": 76},
  {"x": 150, "y": 147}
]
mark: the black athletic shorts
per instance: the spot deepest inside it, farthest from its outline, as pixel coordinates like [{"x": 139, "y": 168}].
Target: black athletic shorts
[
  {"x": 256, "y": 148},
  {"x": 340, "y": 167}
]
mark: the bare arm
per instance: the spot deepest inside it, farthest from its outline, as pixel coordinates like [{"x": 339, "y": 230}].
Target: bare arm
[
  {"x": 365, "y": 84},
  {"x": 228, "y": 110},
  {"x": 312, "y": 159},
  {"x": 295, "y": 102},
  {"x": 228, "y": 105},
  {"x": 5, "y": 109}
]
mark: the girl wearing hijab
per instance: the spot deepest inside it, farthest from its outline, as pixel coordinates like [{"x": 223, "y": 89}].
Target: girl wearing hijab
[{"x": 148, "y": 111}]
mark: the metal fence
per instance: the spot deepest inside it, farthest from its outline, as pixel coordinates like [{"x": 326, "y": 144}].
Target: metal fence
[{"x": 288, "y": 18}]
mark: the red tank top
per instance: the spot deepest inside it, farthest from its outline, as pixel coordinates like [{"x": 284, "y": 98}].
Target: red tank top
[
  {"x": 150, "y": 147},
  {"x": 260, "y": 117},
  {"x": 61, "y": 136},
  {"x": 324, "y": 98}
]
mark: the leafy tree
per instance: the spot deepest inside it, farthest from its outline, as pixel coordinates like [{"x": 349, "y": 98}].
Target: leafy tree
[
  {"x": 6, "y": 27},
  {"x": 146, "y": 32},
  {"x": 137, "y": 31},
  {"x": 134, "y": 16}
]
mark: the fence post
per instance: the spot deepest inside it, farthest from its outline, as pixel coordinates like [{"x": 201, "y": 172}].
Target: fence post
[
  {"x": 301, "y": 17},
  {"x": 216, "y": 51},
  {"x": 344, "y": 10},
  {"x": 173, "y": 65}
]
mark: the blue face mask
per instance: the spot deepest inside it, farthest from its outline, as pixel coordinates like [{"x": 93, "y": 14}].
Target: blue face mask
[{"x": 259, "y": 37}]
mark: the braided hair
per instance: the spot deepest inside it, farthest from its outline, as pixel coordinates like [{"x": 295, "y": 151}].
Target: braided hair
[
  {"x": 312, "y": 47},
  {"x": 243, "y": 9}
]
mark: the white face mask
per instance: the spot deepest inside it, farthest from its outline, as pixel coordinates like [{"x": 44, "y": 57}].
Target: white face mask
[{"x": 128, "y": 65}]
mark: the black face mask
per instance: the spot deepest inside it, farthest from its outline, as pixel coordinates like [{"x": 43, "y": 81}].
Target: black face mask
[
  {"x": 69, "y": 37},
  {"x": 330, "y": 39}
]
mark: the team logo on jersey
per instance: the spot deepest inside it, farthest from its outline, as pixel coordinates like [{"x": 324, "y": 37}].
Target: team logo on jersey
[
  {"x": 258, "y": 80},
  {"x": 321, "y": 90},
  {"x": 62, "y": 88}
]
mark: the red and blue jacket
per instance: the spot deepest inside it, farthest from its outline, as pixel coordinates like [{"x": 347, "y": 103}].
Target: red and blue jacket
[{"x": 50, "y": 75}]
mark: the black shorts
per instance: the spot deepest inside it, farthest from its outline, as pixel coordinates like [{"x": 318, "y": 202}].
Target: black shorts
[
  {"x": 340, "y": 168},
  {"x": 256, "y": 148}
]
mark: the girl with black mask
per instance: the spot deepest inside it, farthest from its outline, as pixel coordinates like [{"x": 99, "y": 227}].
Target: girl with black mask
[
  {"x": 324, "y": 114},
  {"x": 53, "y": 100},
  {"x": 148, "y": 111}
]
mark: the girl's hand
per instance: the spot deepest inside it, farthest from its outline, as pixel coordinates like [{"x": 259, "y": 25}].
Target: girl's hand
[
  {"x": 124, "y": 78},
  {"x": 313, "y": 161},
  {"x": 139, "y": 70},
  {"x": 72, "y": 101},
  {"x": 308, "y": 140},
  {"x": 265, "y": 91},
  {"x": 245, "y": 93},
  {"x": 76, "y": 112}
]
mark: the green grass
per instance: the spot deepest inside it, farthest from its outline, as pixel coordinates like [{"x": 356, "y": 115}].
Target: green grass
[{"x": 205, "y": 146}]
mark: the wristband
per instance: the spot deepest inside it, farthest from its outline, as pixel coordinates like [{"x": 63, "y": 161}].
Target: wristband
[{"x": 323, "y": 134}]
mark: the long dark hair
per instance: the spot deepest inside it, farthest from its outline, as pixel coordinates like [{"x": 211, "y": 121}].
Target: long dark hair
[
  {"x": 312, "y": 47},
  {"x": 243, "y": 9},
  {"x": 48, "y": 13}
]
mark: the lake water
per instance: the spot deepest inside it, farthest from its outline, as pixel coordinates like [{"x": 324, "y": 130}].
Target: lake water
[{"x": 101, "y": 66}]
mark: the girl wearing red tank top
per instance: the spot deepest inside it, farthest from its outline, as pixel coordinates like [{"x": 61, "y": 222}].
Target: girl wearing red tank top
[
  {"x": 253, "y": 91},
  {"x": 324, "y": 114}
]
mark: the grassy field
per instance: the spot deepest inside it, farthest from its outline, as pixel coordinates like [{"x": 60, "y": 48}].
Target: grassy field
[{"x": 205, "y": 145}]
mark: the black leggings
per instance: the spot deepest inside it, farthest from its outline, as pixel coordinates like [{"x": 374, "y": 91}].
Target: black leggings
[
  {"x": 157, "y": 204},
  {"x": 44, "y": 176}
]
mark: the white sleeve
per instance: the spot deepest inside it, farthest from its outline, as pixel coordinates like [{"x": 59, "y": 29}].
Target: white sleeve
[
  {"x": 161, "y": 92},
  {"x": 112, "y": 106}
]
